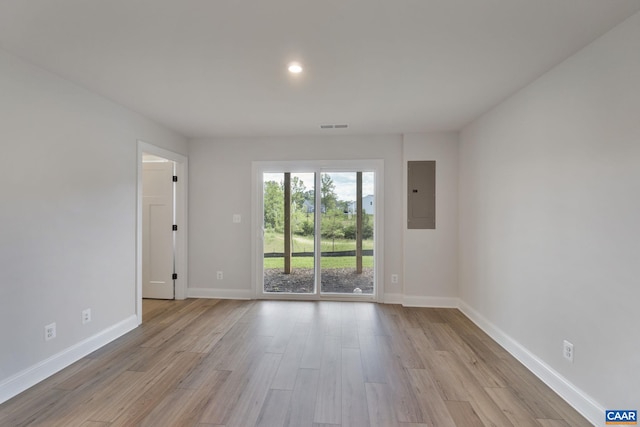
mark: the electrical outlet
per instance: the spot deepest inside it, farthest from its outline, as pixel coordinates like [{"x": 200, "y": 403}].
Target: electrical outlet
[
  {"x": 219, "y": 275},
  {"x": 394, "y": 278},
  {"x": 86, "y": 316},
  {"x": 567, "y": 350},
  {"x": 50, "y": 331},
  {"x": 237, "y": 218}
]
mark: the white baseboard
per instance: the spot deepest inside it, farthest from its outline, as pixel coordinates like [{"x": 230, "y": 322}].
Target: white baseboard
[
  {"x": 31, "y": 376},
  {"x": 419, "y": 301},
  {"x": 392, "y": 298},
  {"x": 215, "y": 293},
  {"x": 575, "y": 397}
]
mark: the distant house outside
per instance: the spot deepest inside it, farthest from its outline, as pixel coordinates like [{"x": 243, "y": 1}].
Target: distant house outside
[{"x": 368, "y": 205}]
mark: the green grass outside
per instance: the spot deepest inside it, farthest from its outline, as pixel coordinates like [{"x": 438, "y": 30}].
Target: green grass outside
[
  {"x": 274, "y": 242},
  {"x": 327, "y": 262}
]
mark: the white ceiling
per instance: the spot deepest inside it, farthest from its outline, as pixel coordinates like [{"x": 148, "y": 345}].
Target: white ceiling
[{"x": 218, "y": 67}]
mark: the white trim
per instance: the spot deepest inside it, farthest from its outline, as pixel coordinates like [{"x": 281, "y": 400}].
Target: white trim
[
  {"x": 393, "y": 298},
  {"x": 215, "y": 293},
  {"x": 31, "y": 376},
  {"x": 575, "y": 397},
  {"x": 320, "y": 297},
  {"x": 423, "y": 301},
  {"x": 317, "y": 166},
  {"x": 181, "y": 218}
]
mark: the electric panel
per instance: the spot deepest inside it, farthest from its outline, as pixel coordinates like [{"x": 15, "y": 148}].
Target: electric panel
[{"x": 421, "y": 196}]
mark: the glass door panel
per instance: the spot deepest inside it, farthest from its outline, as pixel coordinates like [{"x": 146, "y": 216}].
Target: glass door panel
[
  {"x": 347, "y": 217},
  {"x": 289, "y": 233}
]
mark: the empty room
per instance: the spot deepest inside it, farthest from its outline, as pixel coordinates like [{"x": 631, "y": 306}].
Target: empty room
[{"x": 287, "y": 213}]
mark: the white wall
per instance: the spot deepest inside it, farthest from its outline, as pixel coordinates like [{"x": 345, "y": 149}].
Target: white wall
[
  {"x": 68, "y": 217},
  {"x": 220, "y": 185},
  {"x": 550, "y": 217},
  {"x": 431, "y": 256}
]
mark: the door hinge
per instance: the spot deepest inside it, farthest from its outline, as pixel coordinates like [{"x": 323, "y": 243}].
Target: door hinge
[
  {"x": 175, "y": 178},
  {"x": 174, "y": 227},
  {"x": 174, "y": 276}
]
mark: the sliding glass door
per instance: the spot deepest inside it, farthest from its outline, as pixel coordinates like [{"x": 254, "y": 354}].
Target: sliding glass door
[
  {"x": 346, "y": 232},
  {"x": 318, "y": 233},
  {"x": 289, "y": 233}
]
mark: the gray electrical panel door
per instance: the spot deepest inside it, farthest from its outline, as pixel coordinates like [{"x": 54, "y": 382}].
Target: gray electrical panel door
[{"x": 421, "y": 183}]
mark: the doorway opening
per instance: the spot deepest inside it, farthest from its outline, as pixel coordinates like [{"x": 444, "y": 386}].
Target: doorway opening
[
  {"x": 319, "y": 229},
  {"x": 161, "y": 225}
]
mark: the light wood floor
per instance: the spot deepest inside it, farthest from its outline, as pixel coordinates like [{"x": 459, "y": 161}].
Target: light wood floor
[{"x": 272, "y": 363}]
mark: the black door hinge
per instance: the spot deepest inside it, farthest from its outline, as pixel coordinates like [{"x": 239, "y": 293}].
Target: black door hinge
[
  {"x": 175, "y": 178},
  {"x": 174, "y": 227},
  {"x": 174, "y": 276}
]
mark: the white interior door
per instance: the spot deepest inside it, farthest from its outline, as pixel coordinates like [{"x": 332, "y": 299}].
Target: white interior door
[{"x": 157, "y": 230}]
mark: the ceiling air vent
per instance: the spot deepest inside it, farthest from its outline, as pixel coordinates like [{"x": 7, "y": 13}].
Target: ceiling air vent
[{"x": 334, "y": 126}]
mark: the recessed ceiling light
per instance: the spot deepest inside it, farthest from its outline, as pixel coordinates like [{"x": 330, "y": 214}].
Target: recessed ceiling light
[{"x": 295, "y": 68}]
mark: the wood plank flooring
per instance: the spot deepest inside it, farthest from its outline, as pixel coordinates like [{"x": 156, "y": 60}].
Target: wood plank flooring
[{"x": 274, "y": 363}]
